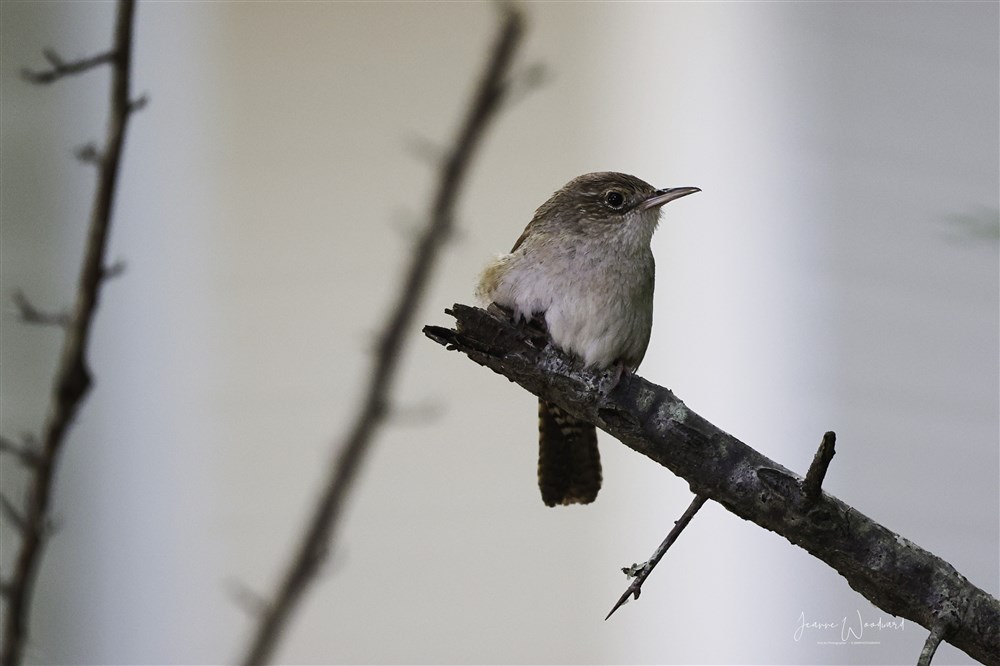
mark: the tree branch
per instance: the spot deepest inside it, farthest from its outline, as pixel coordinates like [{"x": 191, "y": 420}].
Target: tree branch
[
  {"x": 317, "y": 539},
  {"x": 60, "y": 68},
  {"x": 73, "y": 378},
  {"x": 892, "y": 572}
]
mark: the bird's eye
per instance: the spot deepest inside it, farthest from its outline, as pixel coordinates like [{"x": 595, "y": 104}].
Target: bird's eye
[{"x": 615, "y": 199}]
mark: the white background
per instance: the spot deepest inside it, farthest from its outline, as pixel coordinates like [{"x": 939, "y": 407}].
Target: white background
[{"x": 827, "y": 277}]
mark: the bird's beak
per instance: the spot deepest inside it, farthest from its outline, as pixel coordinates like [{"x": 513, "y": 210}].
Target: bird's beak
[{"x": 661, "y": 197}]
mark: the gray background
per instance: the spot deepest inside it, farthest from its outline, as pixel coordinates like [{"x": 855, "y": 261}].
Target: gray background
[{"x": 829, "y": 276}]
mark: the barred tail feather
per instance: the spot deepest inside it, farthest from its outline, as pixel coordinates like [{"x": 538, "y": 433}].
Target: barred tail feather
[{"x": 569, "y": 464}]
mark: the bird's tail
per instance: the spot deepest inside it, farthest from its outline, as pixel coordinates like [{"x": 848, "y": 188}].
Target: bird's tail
[{"x": 569, "y": 464}]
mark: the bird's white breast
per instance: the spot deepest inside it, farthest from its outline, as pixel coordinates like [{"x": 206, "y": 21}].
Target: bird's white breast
[{"x": 596, "y": 294}]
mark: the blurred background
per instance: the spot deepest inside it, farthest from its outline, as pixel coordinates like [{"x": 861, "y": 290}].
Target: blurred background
[{"x": 839, "y": 271}]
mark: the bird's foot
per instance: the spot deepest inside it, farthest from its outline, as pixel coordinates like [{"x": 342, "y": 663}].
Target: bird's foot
[
  {"x": 615, "y": 374},
  {"x": 534, "y": 324}
]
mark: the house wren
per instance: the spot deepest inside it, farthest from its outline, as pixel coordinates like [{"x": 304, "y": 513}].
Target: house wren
[{"x": 584, "y": 266}]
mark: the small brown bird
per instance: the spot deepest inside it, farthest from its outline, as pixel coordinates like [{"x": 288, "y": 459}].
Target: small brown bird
[{"x": 585, "y": 266}]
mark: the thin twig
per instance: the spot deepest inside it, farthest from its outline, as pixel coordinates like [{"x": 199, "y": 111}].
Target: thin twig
[
  {"x": 25, "y": 452},
  {"x": 931, "y": 644},
  {"x": 11, "y": 513},
  {"x": 641, "y": 573},
  {"x": 525, "y": 80},
  {"x": 246, "y": 597},
  {"x": 111, "y": 271},
  {"x": 424, "y": 150},
  {"x": 73, "y": 377},
  {"x": 60, "y": 68},
  {"x": 817, "y": 470},
  {"x": 30, "y": 314},
  {"x": 317, "y": 539},
  {"x": 89, "y": 154},
  {"x": 139, "y": 103}
]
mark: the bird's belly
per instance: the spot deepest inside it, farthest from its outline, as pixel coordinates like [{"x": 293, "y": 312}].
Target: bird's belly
[
  {"x": 599, "y": 328},
  {"x": 603, "y": 314}
]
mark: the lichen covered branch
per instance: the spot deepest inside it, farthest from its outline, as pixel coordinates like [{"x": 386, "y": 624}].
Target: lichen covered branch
[{"x": 892, "y": 572}]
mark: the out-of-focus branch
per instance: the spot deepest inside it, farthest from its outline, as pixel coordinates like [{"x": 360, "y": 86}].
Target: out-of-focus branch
[
  {"x": 316, "y": 541},
  {"x": 890, "y": 571},
  {"x": 73, "y": 378},
  {"x": 32, "y": 315},
  {"x": 60, "y": 68},
  {"x": 26, "y": 452}
]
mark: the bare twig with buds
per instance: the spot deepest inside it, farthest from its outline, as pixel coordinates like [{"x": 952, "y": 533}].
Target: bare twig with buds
[
  {"x": 73, "y": 377},
  {"x": 890, "y": 571},
  {"x": 317, "y": 539}
]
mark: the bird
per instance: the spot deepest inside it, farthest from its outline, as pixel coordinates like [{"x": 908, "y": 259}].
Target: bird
[{"x": 584, "y": 268}]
